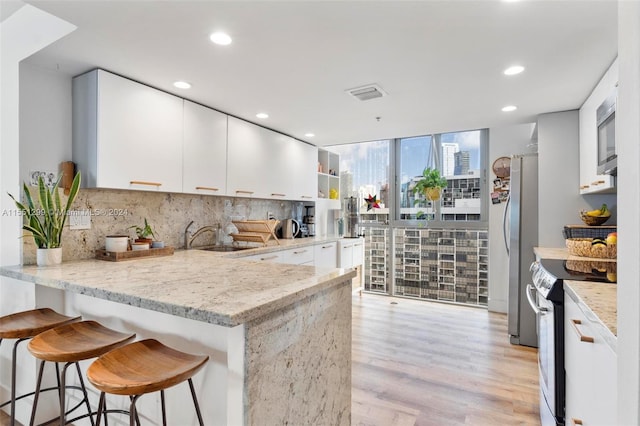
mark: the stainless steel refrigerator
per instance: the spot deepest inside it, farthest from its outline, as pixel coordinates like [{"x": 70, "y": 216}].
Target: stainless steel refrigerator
[{"x": 520, "y": 229}]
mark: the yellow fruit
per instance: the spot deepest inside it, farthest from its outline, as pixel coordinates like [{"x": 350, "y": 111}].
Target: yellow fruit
[
  {"x": 612, "y": 238},
  {"x": 612, "y": 277}
]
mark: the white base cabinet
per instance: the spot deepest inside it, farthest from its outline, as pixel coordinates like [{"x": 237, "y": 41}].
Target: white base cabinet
[
  {"x": 326, "y": 255},
  {"x": 591, "y": 371},
  {"x": 351, "y": 255}
]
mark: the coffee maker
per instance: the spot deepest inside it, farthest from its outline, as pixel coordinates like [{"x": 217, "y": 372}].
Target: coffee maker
[
  {"x": 310, "y": 221},
  {"x": 352, "y": 217}
]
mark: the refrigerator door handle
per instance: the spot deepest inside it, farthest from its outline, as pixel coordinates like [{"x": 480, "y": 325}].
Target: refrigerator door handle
[{"x": 504, "y": 224}]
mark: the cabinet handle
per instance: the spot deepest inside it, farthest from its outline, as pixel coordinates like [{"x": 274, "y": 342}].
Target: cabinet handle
[
  {"x": 299, "y": 252},
  {"x": 275, "y": 194},
  {"x": 141, "y": 182},
  {"x": 269, "y": 258},
  {"x": 583, "y": 338},
  {"x": 243, "y": 192},
  {"x": 598, "y": 182},
  {"x": 576, "y": 421},
  {"x": 306, "y": 196},
  {"x": 348, "y": 246},
  {"x": 326, "y": 247},
  {"x": 207, "y": 188},
  {"x": 584, "y": 186}
]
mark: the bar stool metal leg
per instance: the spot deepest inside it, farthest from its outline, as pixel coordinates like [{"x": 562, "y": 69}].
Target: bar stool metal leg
[
  {"x": 195, "y": 402},
  {"x": 14, "y": 361},
  {"x": 132, "y": 410}
]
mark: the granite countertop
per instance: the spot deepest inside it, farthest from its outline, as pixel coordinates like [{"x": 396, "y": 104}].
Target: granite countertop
[
  {"x": 217, "y": 288},
  {"x": 563, "y": 254},
  {"x": 598, "y": 301}
]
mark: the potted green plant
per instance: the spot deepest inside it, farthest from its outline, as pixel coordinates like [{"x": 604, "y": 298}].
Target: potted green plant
[
  {"x": 431, "y": 183},
  {"x": 145, "y": 233},
  {"x": 46, "y": 221}
]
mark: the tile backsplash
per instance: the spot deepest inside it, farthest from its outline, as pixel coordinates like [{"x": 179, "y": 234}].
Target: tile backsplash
[{"x": 113, "y": 212}]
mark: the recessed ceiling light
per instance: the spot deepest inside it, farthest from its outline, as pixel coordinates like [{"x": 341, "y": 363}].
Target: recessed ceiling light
[
  {"x": 513, "y": 70},
  {"x": 309, "y": 135},
  {"x": 509, "y": 108},
  {"x": 182, "y": 84},
  {"x": 220, "y": 38},
  {"x": 262, "y": 115}
]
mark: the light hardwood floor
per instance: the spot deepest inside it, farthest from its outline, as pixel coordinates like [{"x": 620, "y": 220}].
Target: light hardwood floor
[
  {"x": 424, "y": 363},
  {"x": 421, "y": 363}
]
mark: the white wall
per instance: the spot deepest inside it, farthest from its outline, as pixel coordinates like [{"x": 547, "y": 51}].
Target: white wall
[
  {"x": 628, "y": 139},
  {"x": 503, "y": 141},
  {"x": 23, "y": 33},
  {"x": 559, "y": 201},
  {"x": 45, "y": 119}
]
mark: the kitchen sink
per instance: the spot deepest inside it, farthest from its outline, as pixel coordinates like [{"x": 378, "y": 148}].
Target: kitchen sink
[{"x": 223, "y": 248}]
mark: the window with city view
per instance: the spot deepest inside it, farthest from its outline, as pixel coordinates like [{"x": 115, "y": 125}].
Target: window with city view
[
  {"x": 457, "y": 156},
  {"x": 433, "y": 250}
]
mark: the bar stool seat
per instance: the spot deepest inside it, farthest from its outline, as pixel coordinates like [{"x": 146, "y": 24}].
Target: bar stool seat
[
  {"x": 22, "y": 326},
  {"x": 143, "y": 367},
  {"x": 71, "y": 343}
]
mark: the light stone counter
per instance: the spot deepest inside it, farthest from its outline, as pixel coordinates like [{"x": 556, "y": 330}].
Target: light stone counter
[
  {"x": 598, "y": 301},
  {"x": 195, "y": 284},
  {"x": 278, "y": 336},
  {"x": 562, "y": 254}
]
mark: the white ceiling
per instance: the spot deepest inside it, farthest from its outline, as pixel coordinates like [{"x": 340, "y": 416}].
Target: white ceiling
[{"x": 440, "y": 62}]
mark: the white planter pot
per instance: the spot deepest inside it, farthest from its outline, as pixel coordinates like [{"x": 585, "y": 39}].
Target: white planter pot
[{"x": 49, "y": 257}]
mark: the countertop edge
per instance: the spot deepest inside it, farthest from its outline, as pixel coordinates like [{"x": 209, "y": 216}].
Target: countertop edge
[
  {"x": 326, "y": 278},
  {"x": 607, "y": 334}
]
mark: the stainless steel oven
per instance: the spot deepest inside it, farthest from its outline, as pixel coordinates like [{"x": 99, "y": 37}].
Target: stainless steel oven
[
  {"x": 547, "y": 303},
  {"x": 546, "y": 297}
]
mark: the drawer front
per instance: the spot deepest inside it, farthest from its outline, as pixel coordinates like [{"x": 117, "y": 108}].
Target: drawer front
[{"x": 298, "y": 256}]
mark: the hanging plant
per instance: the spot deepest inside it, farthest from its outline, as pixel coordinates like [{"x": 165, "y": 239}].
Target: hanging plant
[{"x": 431, "y": 184}]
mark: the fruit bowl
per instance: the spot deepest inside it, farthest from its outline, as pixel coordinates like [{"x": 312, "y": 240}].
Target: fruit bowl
[{"x": 593, "y": 220}]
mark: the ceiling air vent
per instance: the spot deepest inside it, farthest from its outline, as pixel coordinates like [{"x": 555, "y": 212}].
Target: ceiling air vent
[{"x": 364, "y": 93}]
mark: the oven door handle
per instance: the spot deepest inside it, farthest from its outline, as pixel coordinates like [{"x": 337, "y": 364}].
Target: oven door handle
[{"x": 531, "y": 290}]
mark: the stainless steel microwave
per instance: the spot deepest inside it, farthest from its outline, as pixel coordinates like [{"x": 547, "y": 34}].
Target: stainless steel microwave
[{"x": 606, "y": 122}]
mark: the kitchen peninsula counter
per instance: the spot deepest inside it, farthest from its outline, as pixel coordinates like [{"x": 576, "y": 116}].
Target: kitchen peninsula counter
[
  {"x": 278, "y": 336},
  {"x": 195, "y": 284}
]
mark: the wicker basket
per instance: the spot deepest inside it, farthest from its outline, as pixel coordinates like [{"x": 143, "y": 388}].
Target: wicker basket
[
  {"x": 582, "y": 247},
  {"x": 593, "y": 220}
]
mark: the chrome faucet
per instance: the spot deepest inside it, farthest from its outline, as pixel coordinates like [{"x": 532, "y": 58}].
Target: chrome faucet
[{"x": 189, "y": 237}]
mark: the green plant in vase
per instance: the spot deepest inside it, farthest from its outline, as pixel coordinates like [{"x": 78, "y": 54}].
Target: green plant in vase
[
  {"x": 145, "y": 233},
  {"x": 46, "y": 220}
]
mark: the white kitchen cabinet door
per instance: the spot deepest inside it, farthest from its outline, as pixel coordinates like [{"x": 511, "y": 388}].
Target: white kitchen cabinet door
[
  {"x": 129, "y": 135},
  {"x": 326, "y": 255},
  {"x": 301, "y": 167},
  {"x": 345, "y": 253},
  {"x": 591, "y": 371},
  {"x": 350, "y": 252},
  {"x": 273, "y": 257},
  {"x": 298, "y": 256},
  {"x": 590, "y": 180},
  {"x": 256, "y": 165},
  {"x": 204, "y": 150}
]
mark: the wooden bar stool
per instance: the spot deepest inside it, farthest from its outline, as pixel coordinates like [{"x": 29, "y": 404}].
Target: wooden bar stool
[
  {"x": 23, "y": 326},
  {"x": 71, "y": 343},
  {"x": 143, "y": 367}
]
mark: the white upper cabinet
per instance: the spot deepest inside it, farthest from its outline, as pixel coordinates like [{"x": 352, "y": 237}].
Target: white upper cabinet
[
  {"x": 249, "y": 154},
  {"x": 126, "y": 135},
  {"x": 301, "y": 168},
  {"x": 266, "y": 164},
  {"x": 204, "y": 150},
  {"x": 590, "y": 180}
]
